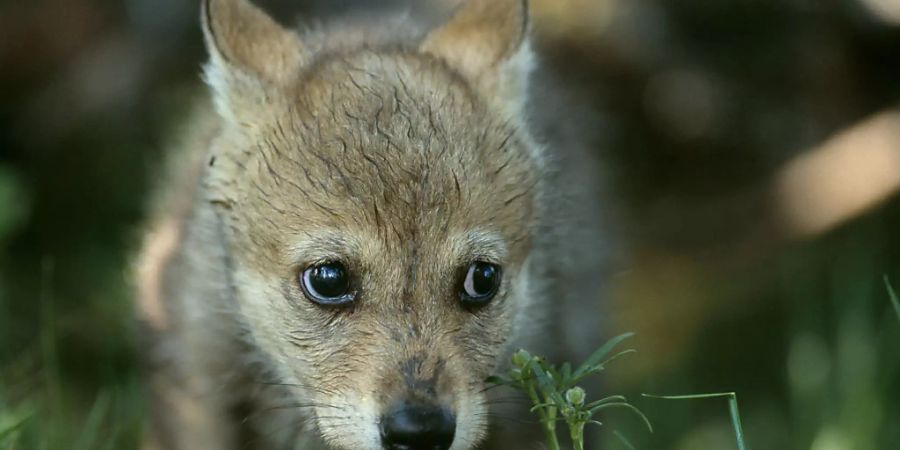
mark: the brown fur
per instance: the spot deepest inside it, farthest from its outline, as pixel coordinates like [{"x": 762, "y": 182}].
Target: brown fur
[{"x": 405, "y": 160}]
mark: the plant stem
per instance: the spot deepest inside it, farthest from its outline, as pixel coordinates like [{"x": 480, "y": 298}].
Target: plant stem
[
  {"x": 548, "y": 418},
  {"x": 550, "y": 428},
  {"x": 576, "y": 432},
  {"x": 736, "y": 421}
]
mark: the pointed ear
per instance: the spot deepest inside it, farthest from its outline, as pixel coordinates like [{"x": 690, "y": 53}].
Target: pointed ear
[
  {"x": 482, "y": 37},
  {"x": 248, "y": 51}
]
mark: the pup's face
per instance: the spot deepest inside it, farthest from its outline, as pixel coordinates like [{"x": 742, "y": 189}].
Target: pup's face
[{"x": 379, "y": 207}]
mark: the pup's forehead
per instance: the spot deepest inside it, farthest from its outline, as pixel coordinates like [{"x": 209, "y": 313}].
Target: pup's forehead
[
  {"x": 373, "y": 86},
  {"x": 404, "y": 125},
  {"x": 394, "y": 146},
  {"x": 415, "y": 73}
]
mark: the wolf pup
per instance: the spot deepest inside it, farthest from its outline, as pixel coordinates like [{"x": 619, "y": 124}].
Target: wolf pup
[{"x": 354, "y": 238}]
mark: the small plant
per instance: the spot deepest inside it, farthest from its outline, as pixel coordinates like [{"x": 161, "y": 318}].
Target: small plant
[{"x": 555, "y": 394}]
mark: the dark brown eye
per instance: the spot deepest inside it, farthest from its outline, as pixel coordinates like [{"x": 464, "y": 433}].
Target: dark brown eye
[
  {"x": 327, "y": 284},
  {"x": 480, "y": 284}
]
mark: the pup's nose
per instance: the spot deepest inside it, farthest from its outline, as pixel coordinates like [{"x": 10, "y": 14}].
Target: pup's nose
[{"x": 417, "y": 427}]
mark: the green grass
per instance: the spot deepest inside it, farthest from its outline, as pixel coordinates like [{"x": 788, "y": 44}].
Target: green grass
[
  {"x": 45, "y": 405},
  {"x": 892, "y": 295},
  {"x": 556, "y": 397}
]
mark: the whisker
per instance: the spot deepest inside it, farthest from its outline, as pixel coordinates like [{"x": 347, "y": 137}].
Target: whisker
[
  {"x": 254, "y": 415},
  {"x": 490, "y": 387},
  {"x": 318, "y": 389},
  {"x": 506, "y": 400},
  {"x": 301, "y": 425},
  {"x": 333, "y": 417},
  {"x": 508, "y": 418}
]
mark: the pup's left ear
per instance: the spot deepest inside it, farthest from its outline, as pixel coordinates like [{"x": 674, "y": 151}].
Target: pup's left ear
[
  {"x": 486, "y": 41},
  {"x": 249, "y": 52}
]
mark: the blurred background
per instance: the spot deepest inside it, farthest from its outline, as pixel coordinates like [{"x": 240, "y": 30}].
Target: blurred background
[{"x": 753, "y": 151}]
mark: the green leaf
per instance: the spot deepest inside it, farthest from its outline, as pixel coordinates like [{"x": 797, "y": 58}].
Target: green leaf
[
  {"x": 611, "y": 398},
  {"x": 597, "y": 357},
  {"x": 600, "y": 367},
  {"x": 554, "y": 374},
  {"x": 628, "y": 406},
  {"x": 540, "y": 405},
  {"x": 545, "y": 383},
  {"x": 565, "y": 374}
]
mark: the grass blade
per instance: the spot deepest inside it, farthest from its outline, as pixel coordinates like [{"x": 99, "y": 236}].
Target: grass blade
[
  {"x": 893, "y": 296},
  {"x": 622, "y": 439},
  {"x": 6, "y": 433},
  {"x": 736, "y": 421},
  {"x": 732, "y": 407},
  {"x": 91, "y": 430}
]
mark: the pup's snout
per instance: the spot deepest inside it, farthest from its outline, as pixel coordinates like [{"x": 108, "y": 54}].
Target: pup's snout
[{"x": 417, "y": 427}]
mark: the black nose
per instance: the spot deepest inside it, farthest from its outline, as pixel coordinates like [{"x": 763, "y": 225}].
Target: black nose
[{"x": 417, "y": 427}]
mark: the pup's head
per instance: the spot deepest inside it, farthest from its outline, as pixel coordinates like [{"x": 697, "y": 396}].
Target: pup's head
[{"x": 379, "y": 204}]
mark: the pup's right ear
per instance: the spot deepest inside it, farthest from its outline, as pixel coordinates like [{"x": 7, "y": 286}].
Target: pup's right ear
[
  {"x": 487, "y": 42},
  {"x": 249, "y": 54}
]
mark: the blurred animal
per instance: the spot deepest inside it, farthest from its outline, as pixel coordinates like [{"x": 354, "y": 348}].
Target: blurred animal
[{"x": 358, "y": 232}]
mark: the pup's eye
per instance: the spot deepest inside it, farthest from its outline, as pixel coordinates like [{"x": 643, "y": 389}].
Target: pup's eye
[
  {"x": 327, "y": 284},
  {"x": 480, "y": 284}
]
